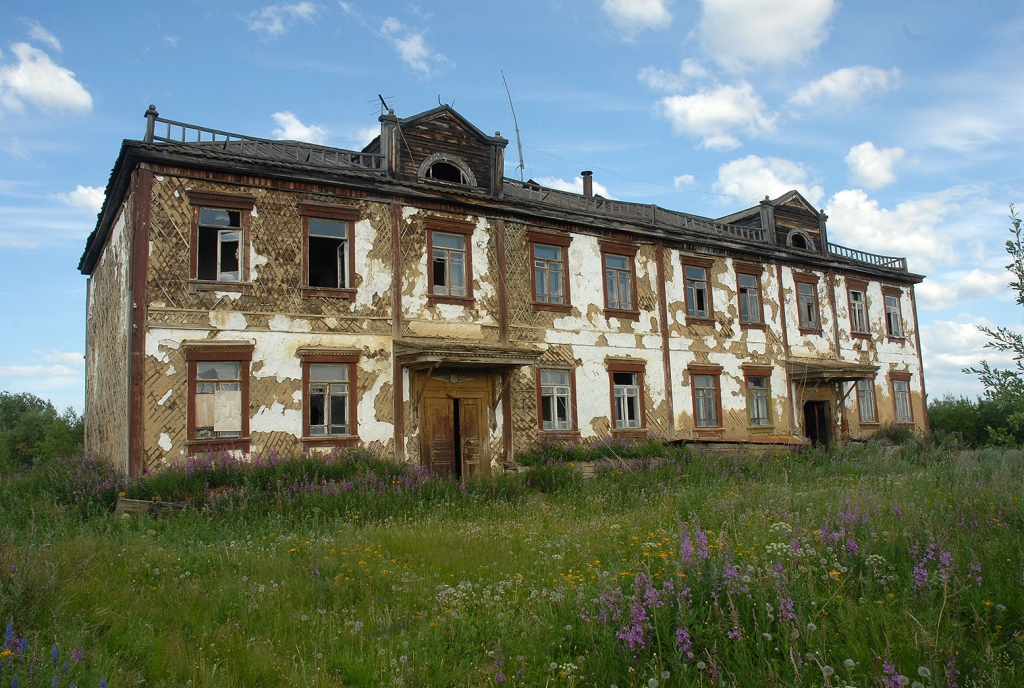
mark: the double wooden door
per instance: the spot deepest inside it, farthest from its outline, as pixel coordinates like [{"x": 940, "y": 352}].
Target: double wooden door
[{"x": 453, "y": 429}]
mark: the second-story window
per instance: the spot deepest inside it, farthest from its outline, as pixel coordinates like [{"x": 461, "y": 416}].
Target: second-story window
[
  {"x": 448, "y": 264},
  {"x": 807, "y": 304},
  {"x": 858, "y": 310},
  {"x": 893, "y": 318},
  {"x": 548, "y": 274},
  {"x": 328, "y": 253},
  {"x": 220, "y": 245},
  {"x": 750, "y": 298},
  {"x": 618, "y": 277},
  {"x": 698, "y": 301}
]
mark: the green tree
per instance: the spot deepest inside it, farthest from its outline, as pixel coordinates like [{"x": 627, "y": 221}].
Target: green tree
[
  {"x": 1004, "y": 388},
  {"x": 31, "y": 429}
]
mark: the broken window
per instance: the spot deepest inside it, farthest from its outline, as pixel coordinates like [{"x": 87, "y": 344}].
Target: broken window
[
  {"x": 807, "y": 302},
  {"x": 858, "y": 311},
  {"x": 218, "y": 399},
  {"x": 220, "y": 245},
  {"x": 446, "y": 172},
  {"x": 866, "y": 401},
  {"x": 901, "y": 396},
  {"x": 555, "y": 400},
  {"x": 329, "y": 399},
  {"x": 626, "y": 393},
  {"x": 328, "y": 253},
  {"x": 757, "y": 400},
  {"x": 448, "y": 266},
  {"x": 548, "y": 278},
  {"x": 705, "y": 400},
  {"x": 750, "y": 298},
  {"x": 698, "y": 302},
  {"x": 618, "y": 275},
  {"x": 893, "y": 321}
]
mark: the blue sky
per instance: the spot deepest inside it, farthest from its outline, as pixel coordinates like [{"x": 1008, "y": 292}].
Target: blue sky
[{"x": 901, "y": 119}]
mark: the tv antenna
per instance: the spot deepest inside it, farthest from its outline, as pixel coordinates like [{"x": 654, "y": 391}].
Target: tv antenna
[{"x": 519, "y": 143}]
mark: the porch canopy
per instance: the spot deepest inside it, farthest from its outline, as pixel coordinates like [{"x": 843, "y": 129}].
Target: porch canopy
[
  {"x": 818, "y": 370},
  {"x": 425, "y": 355}
]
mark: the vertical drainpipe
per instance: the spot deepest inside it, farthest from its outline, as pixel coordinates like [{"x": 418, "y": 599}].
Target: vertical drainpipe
[{"x": 666, "y": 358}]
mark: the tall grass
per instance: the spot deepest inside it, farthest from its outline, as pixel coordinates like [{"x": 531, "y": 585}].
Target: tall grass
[{"x": 821, "y": 568}]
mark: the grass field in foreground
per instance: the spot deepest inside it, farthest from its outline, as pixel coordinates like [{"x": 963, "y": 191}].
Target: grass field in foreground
[{"x": 862, "y": 566}]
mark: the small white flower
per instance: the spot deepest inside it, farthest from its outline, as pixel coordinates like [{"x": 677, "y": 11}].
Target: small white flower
[
  {"x": 902, "y": 680},
  {"x": 665, "y": 675},
  {"x": 702, "y": 666},
  {"x": 553, "y": 666},
  {"x": 653, "y": 683},
  {"x": 811, "y": 627},
  {"x": 827, "y": 671},
  {"x": 849, "y": 663}
]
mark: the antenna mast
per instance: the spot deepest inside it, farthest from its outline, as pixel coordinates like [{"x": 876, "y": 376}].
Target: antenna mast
[{"x": 519, "y": 143}]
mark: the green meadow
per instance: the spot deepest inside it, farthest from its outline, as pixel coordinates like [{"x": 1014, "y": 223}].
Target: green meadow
[{"x": 869, "y": 565}]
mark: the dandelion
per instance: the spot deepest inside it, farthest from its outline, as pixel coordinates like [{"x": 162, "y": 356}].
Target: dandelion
[
  {"x": 827, "y": 671},
  {"x": 665, "y": 675},
  {"x": 849, "y": 663},
  {"x": 767, "y": 636},
  {"x": 403, "y": 659},
  {"x": 902, "y": 680},
  {"x": 811, "y": 627},
  {"x": 1000, "y": 608},
  {"x": 924, "y": 672},
  {"x": 653, "y": 683},
  {"x": 702, "y": 666},
  {"x": 553, "y": 666}
]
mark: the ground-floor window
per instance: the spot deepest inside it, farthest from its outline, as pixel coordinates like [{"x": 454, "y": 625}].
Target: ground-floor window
[
  {"x": 866, "y": 401},
  {"x": 757, "y": 400},
  {"x": 705, "y": 400},
  {"x": 556, "y": 400},
  {"x": 901, "y": 398},
  {"x": 330, "y": 399},
  {"x": 218, "y": 389}
]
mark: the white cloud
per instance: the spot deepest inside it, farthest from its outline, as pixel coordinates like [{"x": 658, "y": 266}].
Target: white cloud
[
  {"x": 753, "y": 178},
  {"x": 85, "y": 197},
  {"x": 661, "y": 80},
  {"x": 949, "y": 346},
  {"x": 411, "y": 47},
  {"x": 171, "y": 41},
  {"x": 37, "y": 80},
  {"x": 741, "y": 34},
  {"x": 845, "y": 86},
  {"x": 74, "y": 358},
  {"x": 362, "y": 137},
  {"x": 683, "y": 180},
  {"x": 61, "y": 384},
  {"x": 575, "y": 186},
  {"x": 934, "y": 294},
  {"x": 633, "y": 16},
  {"x": 291, "y": 129},
  {"x": 274, "y": 20},
  {"x": 714, "y": 115},
  {"x": 871, "y": 167},
  {"x": 38, "y": 32},
  {"x": 909, "y": 230}
]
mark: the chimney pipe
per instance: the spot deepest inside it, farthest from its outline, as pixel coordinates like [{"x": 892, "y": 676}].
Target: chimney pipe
[{"x": 588, "y": 183}]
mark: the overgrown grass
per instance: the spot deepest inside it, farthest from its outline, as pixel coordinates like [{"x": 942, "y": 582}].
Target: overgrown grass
[{"x": 849, "y": 567}]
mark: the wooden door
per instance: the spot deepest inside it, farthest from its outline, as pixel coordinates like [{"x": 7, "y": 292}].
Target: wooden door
[
  {"x": 438, "y": 435},
  {"x": 471, "y": 438}
]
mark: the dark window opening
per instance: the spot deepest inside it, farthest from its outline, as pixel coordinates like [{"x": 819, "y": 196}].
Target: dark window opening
[
  {"x": 446, "y": 172},
  {"x": 328, "y": 254},
  {"x": 219, "y": 256},
  {"x": 799, "y": 241}
]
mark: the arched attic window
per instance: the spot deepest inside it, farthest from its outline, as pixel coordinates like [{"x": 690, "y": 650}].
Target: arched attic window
[
  {"x": 445, "y": 167},
  {"x": 798, "y": 239}
]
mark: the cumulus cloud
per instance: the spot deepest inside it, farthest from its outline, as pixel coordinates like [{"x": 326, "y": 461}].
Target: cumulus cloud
[
  {"x": 754, "y": 178},
  {"x": 35, "y": 79},
  {"x": 745, "y": 34},
  {"x": 844, "y": 87},
  {"x": 935, "y": 294},
  {"x": 713, "y": 115},
  {"x": 683, "y": 180},
  {"x": 871, "y": 167},
  {"x": 633, "y": 16},
  {"x": 910, "y": 229},
  {"x": 85, "y": 197},
  {"x": 364, "y": 135},
  {"x": 575, "y": 186},
  {"x": 38, "y": 32},
  {"x": 948, "y": 346},
  {"x": 662, "y": 80},
  {"x": 60, "y": 383},
  {"x": 411, "y": 47},
  {"x": 274, "y": 20},
  {"x": 291, "y": 129}
]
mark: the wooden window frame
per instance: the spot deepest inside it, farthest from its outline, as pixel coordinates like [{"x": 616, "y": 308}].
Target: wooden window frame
[
  {"x": 750, "y": 371},
  {"x": 574, "y": 431},
  {"x": 715, "y": 371},
  {"x": 557, "y": 241},
  {"x": 351, "y": 359},
  {"x": 627, "y": 366},
  {"x": 705, "y": 264},
  {"x": 465, "y": 229},
  {"x": 240, "y": 352},
  {"x": 322, "y": 211},
  {"x": 243, "y": 203},
  {"x": 628, "y": 251},
  {"x": 874, "y": 405},
  {"x": 811, "y": 279},
  {"x": 862, "y": 287},
  {"x": 755, "y": 271},
  {"x": 896, "y": 293},
  {"x": 901, "y": 377}
]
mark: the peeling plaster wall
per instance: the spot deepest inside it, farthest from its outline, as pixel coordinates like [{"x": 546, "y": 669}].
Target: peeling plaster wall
[{"x": 107, "y": 356}]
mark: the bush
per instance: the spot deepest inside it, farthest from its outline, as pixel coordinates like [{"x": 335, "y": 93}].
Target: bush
[
  {"x": 567, "y": 451},
  {"x": 989, "y": 421},
  {"x": 31, "y": 430}
]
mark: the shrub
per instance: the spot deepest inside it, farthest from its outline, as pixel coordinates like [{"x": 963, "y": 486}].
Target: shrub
[{"x": 31, "y": 430}]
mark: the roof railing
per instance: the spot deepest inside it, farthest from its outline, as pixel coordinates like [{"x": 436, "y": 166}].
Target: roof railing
[
  {"x": 893, "y": 262},
  {"x": 160, "y": 130}
]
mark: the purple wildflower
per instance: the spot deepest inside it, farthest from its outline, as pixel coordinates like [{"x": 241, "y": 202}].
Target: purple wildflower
[
  {"x": 702, "y": 546},
  {"x": 920, "y": 576},
  {"x": 683, "y": 642},
  {"x": 851, "y": 546},
  {"x": 778, "y": 567},
  {"x": 77, "y": 655},
  {"x": 686, "y": 551},
  {"x": 890, "y": 675},
  {"x": 499, "y": 678},
  {"x": 735, "y": 634},
  {"x": 976, "y": 572},
  {"x": 951, "y": 673},
  {"x": 53, "y": 655},
  {"x": 897, "y": 512}
]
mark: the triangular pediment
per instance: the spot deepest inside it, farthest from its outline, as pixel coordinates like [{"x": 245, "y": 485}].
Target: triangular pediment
[
  {"x": 794, "y": 200},
  {"x": 445, "y": 117}
]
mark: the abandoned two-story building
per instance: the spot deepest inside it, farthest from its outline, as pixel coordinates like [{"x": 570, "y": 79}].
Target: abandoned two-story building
[{"x": 247, "y": 294}]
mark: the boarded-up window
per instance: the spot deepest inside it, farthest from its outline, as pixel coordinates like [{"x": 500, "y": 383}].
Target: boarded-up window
[{"x": 218, "y": 400}]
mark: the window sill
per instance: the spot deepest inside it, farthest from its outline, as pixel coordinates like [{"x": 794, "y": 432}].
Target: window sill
[
  {"x": 433, "y": 300},
  {"x": 752, "y": 326},
  {"x": 558, "y": 435},
  {"x": 196, "y": 285},
  {"x": 761, "y": 429},
  {"x": 224, "y": 444},
  {"x": 556, "y": 307},
  {"x": 896, "y": 340},
  {"x": 709, "y": 433},
  {"x": 860, "y": 335},
  {"x": 869, "y": 424},
  {"x": 808, "y": 330},
  {"x": 330, "y": 441},
  {"x": 691, "y": 321},
  {"x": 620, "y": 313},
  {"x": 328, "y": 293}
]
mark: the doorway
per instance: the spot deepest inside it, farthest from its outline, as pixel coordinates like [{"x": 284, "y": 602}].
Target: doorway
[
  {"x": 816, "y": 423},
  {"x": 453, "y": 426}
]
